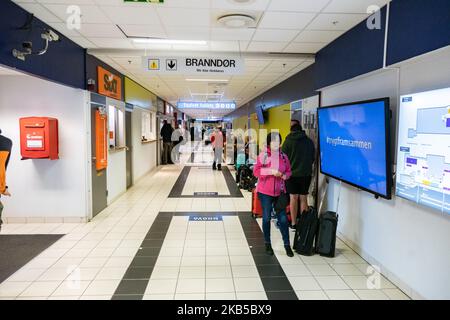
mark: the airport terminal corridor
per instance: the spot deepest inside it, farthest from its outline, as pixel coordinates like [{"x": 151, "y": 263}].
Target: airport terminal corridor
[{"x": 151, "y": 245}]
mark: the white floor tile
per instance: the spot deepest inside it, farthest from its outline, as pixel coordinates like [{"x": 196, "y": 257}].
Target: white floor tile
[
  {"x": 41, "y": 289},
  {"x": 304, "y": 283},
  {"x": 190, "y": 286},
  {"x": 56, "y": 274},
  {"x": 341, "y": 295},
  {"x": 165, "y": 273},
  {"x": 222, "y": 296},
  {"x": 218, "y": 272},
  {"x": 111, "y": 273},
  {"x": 158, "y": 297},
  {"x": 166, "y": 286},
  {"x": 332, "y": 283},
  {"x": 242, "y": 260},
  {"x": 395, "y": 294},
  {"x": 217, "y": 261},
  {"x": 356, "y": 282},
  {"x": 102, "y": 287},
  {"x": 192, "y": 272},
  {"x": 189, "y": 296},
  {"x": 193, "y": 261},
  {"x": 321, "y": 270},
  {"x": 371, "y": 295},
  {"x": 311, "y": 295},
  {"x": 347, "y": 270},
  {"x": 26, "y": 275},
  {"x": 13, "y": 289},
  {"x": 71, "y": 288},
  {"x": 261, "y": 295},
  {"x": 219, "y": 285},
  {"x": 245, "y": 271},
  {"x": 248, "y": 284},
  {"x": 105, "y": 297}
]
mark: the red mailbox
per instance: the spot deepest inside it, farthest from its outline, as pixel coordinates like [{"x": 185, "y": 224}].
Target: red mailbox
[{"x": 39, "y": 138}]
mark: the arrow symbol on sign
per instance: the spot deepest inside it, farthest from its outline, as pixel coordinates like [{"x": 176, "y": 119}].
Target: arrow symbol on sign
[{"x": 171, "y": 64}]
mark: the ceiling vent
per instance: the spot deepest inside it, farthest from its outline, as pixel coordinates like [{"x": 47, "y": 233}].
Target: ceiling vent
[{"x": 237, "y": 20}]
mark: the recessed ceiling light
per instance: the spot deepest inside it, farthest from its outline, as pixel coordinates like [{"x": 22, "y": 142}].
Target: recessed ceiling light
[
  {"x": 242, "y": 1},
  {"x": 236, "y": 20},
  {"x": 168, "y": 41}
]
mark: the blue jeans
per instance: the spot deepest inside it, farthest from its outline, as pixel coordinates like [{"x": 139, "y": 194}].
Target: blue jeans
[{"x": 266, "y": 204}]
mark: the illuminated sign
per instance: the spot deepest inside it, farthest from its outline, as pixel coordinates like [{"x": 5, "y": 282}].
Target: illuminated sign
[{"x": 207, "y": 105}]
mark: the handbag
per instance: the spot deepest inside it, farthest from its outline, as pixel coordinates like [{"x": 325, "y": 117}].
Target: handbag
[{"x": 283, "y": 200}]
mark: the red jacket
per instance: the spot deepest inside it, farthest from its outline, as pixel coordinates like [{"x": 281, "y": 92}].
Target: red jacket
[{"x": 267, "y": 183}]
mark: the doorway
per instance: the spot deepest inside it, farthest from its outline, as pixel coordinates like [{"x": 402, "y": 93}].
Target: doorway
[
  {"x": 99, "y": 180},
  {"x": 129, "y": 148}
]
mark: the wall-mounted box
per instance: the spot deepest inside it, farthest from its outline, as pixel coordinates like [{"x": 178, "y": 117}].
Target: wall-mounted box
[{"x": 39, "y": 138}]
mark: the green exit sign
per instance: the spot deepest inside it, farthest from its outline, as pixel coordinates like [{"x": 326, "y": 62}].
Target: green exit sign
[{"x": 149, "y": 1}]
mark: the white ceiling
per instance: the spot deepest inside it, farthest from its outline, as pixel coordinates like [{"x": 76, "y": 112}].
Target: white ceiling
[{"x": 285, "y": 26}]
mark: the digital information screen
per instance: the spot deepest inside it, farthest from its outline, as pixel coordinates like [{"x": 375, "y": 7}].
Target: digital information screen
[
  {"x": 354, "y": 145},
  {"x": 423, "y": 155}
]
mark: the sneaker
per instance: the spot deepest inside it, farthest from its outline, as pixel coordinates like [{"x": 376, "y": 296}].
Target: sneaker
[
  {"x": 289, "y": 251},
  {"x": 219, "y": 167},
  {"x": 269, "y": 249},
  {"x": 293, "y": 227}
]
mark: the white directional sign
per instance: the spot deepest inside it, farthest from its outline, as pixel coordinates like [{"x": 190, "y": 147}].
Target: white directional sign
[
  {"x": 195, "y": 65},
  {"x": 206, "y": 105}
]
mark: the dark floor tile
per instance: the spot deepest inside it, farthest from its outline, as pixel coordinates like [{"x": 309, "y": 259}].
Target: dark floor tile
[
  {"x": 258, "y": 250},
  {"x": 265, "y": 259},
  {"x": 138, "y": 273},
  {"x": 134, "y": 287},
  {"x": 148, "y": 252},
  {"x": 271, "y": 271},
  {"x": 155, "y": 235},
  {"x": 281, "y": 295},
  {"x": 128, "y": 297},
  {"x": 276, "y": 284},
  {"x": 152, "y": 243},
  {"x": 143, "y": 262}
]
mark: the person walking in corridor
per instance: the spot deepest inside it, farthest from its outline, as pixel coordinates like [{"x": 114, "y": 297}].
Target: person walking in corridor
[
  {"x": 217, "y": 144},
  {"x": 166, "y": 134},
  {"x": 5, "y": 154},
  {"x": 300, "y": 151},
  {"x": 272, "y": 169}
]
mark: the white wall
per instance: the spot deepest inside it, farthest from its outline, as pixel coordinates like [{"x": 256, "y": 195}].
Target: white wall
[
  {"x": 56, "y": 190},
  {"x": 143, "y": 154},
  {"x": 410, "y": 242},
  {"x": 116, "y": 172}
]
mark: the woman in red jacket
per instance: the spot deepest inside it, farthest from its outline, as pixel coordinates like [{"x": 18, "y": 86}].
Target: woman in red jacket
[{"x": 272, "y": 170}]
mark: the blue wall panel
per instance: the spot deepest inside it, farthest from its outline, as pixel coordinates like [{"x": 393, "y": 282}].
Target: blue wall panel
[
  {"x": 63, "y": 63},
  {"x": 356, "y": 52},
  {"x": 417, "y": 27}
]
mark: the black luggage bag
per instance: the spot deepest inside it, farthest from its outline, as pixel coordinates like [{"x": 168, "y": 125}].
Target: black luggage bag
[
  {"x": 306, "y": 231},
  {"x": 326, "y": 239}
]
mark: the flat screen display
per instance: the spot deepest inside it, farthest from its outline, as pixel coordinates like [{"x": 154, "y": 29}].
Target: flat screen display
[
  {"x": 423, "y": 154},
  {"x": 354, "y": 144},
  {"x": 260, "y": 114}
]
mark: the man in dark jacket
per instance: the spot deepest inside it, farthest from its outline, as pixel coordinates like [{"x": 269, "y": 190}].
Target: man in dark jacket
[
  {"x": 5, "y": 153},
  {"x": 166, "y": 133},
  {"x": 300, "y": 151}
]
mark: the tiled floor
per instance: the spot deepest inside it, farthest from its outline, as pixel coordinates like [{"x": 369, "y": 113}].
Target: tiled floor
[{"x": 196, "y": 260}]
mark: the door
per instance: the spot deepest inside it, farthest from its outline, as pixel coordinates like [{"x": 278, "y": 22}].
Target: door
[
  {"x": 99, "y": 186},
  {"x": 129, "y": 149}
]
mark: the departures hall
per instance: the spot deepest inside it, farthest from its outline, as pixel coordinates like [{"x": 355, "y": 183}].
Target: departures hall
[{"x": 201, "y": 152}]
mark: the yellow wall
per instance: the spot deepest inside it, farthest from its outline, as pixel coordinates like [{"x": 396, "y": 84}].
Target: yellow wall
[
  {"x": 138, "y": 96},
  {"x": 240, "y": 123},
  {"x": 279, "y": 119}
]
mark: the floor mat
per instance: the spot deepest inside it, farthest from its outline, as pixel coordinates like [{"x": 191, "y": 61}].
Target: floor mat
[{"x": 18, "y": 250}]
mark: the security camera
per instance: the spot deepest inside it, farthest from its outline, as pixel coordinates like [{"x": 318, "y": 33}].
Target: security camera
[{"x": 50, "y": 35}]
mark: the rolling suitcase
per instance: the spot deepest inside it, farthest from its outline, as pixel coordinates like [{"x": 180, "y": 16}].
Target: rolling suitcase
[
  {"x": 326, "y": 239},
  {"x": 305, "y": 233},
  {"x": 256, "y": 205}
]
